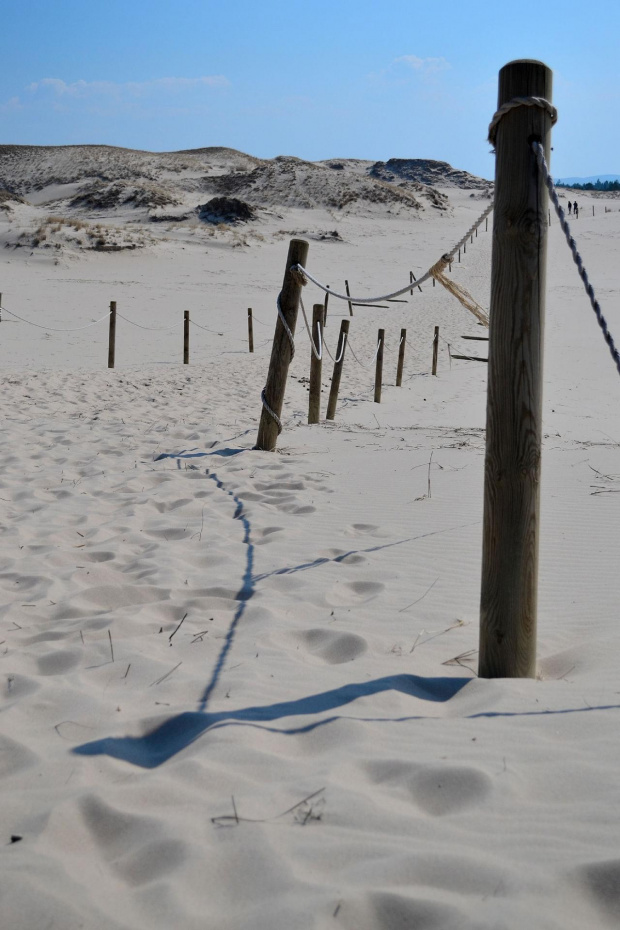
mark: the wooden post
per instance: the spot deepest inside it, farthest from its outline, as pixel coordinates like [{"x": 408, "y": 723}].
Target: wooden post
[
  {"x": 486, "y": 224},
  {"x": 401, "y": 357},
  {"x": 459, "y": 255},
  {"x": 508, "y": 603},
  {"x": 112, "y": 336},
  {"x": 592, "y": 209},
  {"x": 549, "y": 211},
  {"x": 186, "y": 337},
  {"x": 379, "y": 366},
  {"x": 471, "y": 239},
  {"x": 464, "y": 248},
  {"x": 411, "y": 282},
  {"x": 316, "y": 364},
  {"x": 281, "y": 349},
  {"x": 435, "y": 350},
  {"x": 325, "y": 312},
  {"x": 0, "y": 306},
  {"x": 250, "y": 330},
  {"x": 333, "y": 391},
  {"x": 346, "y": 284},
  {"x": 412, "y": 276}
]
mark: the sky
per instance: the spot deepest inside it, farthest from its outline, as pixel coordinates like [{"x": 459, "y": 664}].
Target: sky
[{"x": 316, "y": 79}]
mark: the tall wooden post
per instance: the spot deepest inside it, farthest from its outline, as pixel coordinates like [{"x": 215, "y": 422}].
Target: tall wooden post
[
  {"x": 281, "y": 350},
  {"x": 486, "y": 224},
  {"x": 379, "y": 366},
  {"x": 346, "y": 284},
  {"x": 435, "y": 350},
  {"x": 112, "y": 335},
  {"x": 508, "y": 604},
  {"x": 333, "y": 391},
  {"x": 401, "y": 357},
  {"x": 316, "y": 365},
  {"x": 250, "y": 331},
  {"x": 186, "y": 337}
]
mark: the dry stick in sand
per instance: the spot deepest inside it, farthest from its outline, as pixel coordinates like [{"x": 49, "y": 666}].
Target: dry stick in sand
[
  {"x": 234, "y": 818},
  {"x": 337, "y": 373},
  {"x": 401, "y": 357},
  {"x": 158, "y": 681},
  {"x": 346, "y": 284},
  {"x": 412, "y": 277},
  {"x": 250, "y": 331},
  {"x": 186, "y": 337},
  {"x": 111, "y": 646},
  {"x": 112, "y": 335},
  {"x": 177, "y": 627},
  {"x": 435, "y": 350},
  {"x": 282, "y": 350},
  {"x": 325, "y": 307},
  {"x": 379, "y": 366},
  {"x": 316, "y": 365}
]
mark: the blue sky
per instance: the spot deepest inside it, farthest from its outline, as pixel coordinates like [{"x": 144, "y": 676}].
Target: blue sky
[{"x": 314, "y": 79}]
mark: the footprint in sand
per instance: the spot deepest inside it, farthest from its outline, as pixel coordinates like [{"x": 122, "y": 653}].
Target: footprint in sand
[
  {"x": 351, "y": 593},
  {"x": 332, "y": 647},
  {"x": 602, "y": 881},
  {"x": 364, "y": 529}
]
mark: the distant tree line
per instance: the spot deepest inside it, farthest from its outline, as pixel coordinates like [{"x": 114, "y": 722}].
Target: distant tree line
[{"x": 597, "y": 186}]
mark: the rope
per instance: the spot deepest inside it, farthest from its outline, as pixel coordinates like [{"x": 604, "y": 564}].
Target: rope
[
  {"x": 214, "y": 332},
  {"x": 305, "y": 274},
  {"x": 344, "y": 342},
  {"x": 318, "y": 353},
  {"x": 154, "y": 329},
  {"x": 458, "y": 291},
  {"x": 371, "y": 360},
  {"x": 540, "y": 156},
  {"x": 53, "y": 329},
  {"x": 520, "y": 102},
  {"x": 271, "y": 412}
]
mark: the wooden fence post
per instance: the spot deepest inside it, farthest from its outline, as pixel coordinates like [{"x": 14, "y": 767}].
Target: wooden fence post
[
  {"x": 459, "y": 255},
  {"x": 508, "y": 602},
  {"x": 435, "y": 350},
  {"x": 401, "y": 357},
  {"x": 186, "y": 337},
  {"x": 112, "y": 336},
  {"x": 250, "y": 330},
  {"x": 486, "y": 224},
  {"x": 411, "y": 282},
  {"x": 316, "y": 365},
  {"x": 325, "y": 306},
  {"x": 281, "y": 350},
  {"x": 379, "y": 366},
  {"x": 346, "y": 284},
  {"x": 335, "y": 387}
]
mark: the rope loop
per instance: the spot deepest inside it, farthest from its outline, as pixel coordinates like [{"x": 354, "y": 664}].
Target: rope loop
[
  {"x": 520, "y": 102},
  {"x": 298, "y": 275},
  {"x": 274, "y": 416}
]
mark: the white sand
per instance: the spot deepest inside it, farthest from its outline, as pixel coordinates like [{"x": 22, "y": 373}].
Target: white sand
[{"x": 330, "y": 605}]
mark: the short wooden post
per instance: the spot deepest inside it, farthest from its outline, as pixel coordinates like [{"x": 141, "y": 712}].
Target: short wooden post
[
  {"x": 401, "y": 357},
  {"x": 250, "y": 331},
  {"x": 592, "y": 209},
  {"x": 435, "y": 350},
  {"x": 459, "y": 255},
  {"x": 508, "y": 602},
  {"x": 0, "y": 307},
  {"x": 411, "y": 282},
  {"x": 186, "y": 337},
  {"x": 346, "y": 284},
  {"x": 281, "y": 350},
  {"x": 486, "y": 224},
  {"x": 471, "y": 239},
  {"x": 335, "y": 386},
  {"x": 325, "y": 306},
  {"x": 464, "y": 248},
  {"x": 549, "y": 217},
  {"x": 433, "y": 282},
  {"x": 112, "y": 336},
  {"x": 413, "y": 277},
  {"x": 379, "y": 366},
  {"x": 316, "y": 365}
]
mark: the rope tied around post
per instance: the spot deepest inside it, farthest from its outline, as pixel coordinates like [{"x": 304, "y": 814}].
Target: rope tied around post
[
  {"x": 520, "y": 102},
  {"x": 457, "y": 290}
]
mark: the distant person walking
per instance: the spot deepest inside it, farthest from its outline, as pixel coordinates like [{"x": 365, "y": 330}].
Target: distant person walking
[
  {"x": 570, "y": 207},
  {"x": 575, "y": 210}
]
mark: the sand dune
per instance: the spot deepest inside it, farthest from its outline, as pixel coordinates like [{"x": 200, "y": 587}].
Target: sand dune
[{"x": 240, "y": 687}]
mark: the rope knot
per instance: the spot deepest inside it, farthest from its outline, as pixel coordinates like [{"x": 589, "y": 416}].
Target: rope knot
[
  {"x": 298, "y": 275},
  {"x": 439, "y": 266},
  {"x": 539, "y": 102}
]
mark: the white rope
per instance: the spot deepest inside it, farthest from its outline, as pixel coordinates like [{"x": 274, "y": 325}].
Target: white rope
[
  {"x": 520, "y": 102},
  {"x": 339, "y": 359},
  {"x": 318, "y": 353},
  {"x": 448, "y": 256},
  {"x": 214, "y": 332},
  {"x": 369, "y": 365},
  {"x": 154, "y": 329},
  {"x": 540, "y": 156},
  {"x": 271, "y": 412},
  {"x": 54, "y": 329}
]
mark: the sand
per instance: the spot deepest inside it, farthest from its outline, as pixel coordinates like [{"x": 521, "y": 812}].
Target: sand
[{"x": 239, "y": 688}]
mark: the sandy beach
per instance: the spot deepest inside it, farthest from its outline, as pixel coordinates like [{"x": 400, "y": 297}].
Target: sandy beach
[{"x": 240, "y": 688}]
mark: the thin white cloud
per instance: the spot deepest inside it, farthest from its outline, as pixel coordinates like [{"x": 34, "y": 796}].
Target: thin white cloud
[
  {"x": 88, "y": 89},
  {"x": 423, "y": 65},
  {"x": 11, "y": 106}
]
